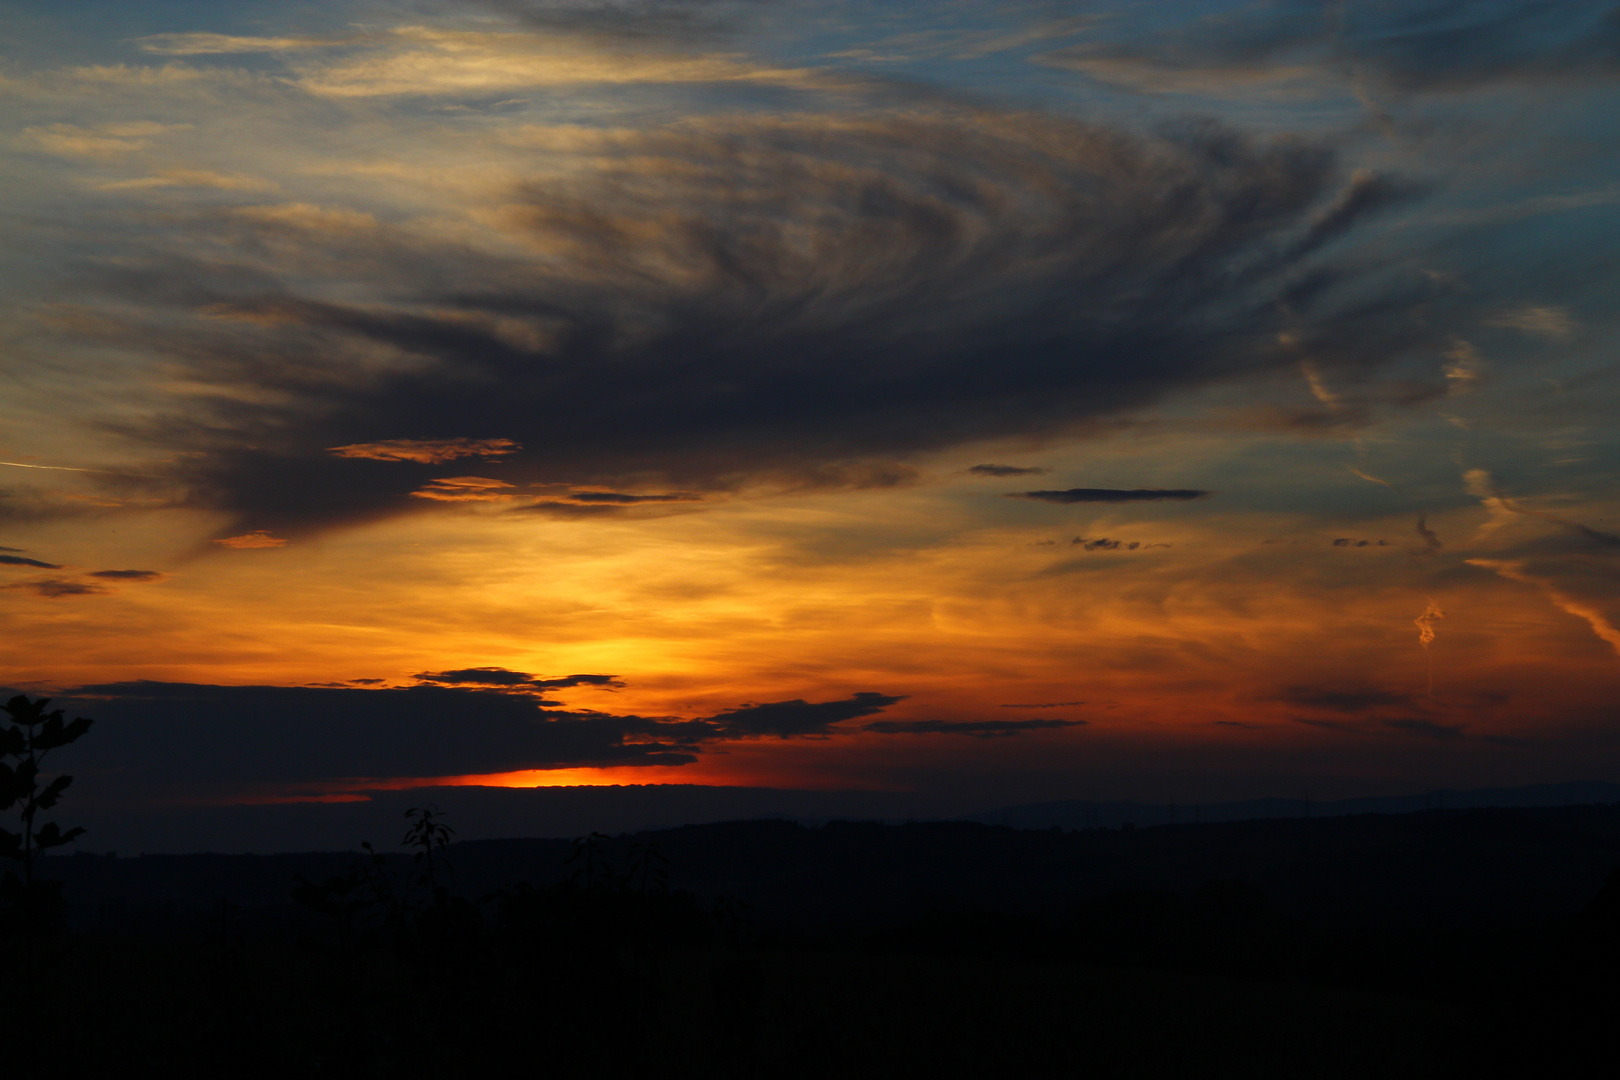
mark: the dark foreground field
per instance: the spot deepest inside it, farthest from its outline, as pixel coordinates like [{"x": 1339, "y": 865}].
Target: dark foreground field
[{"x": 1469, "y": 943}]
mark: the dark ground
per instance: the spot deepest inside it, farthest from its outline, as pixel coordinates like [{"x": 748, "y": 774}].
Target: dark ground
[{"x": 1434, "y": 944}]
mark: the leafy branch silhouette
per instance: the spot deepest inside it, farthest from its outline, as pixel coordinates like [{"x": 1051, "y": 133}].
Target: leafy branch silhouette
[{"x": 24, "y": 744}]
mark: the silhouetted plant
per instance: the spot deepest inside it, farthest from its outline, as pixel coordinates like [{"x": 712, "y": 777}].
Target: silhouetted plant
[
  {"x": 649, "y": 866},
  {"x": 590, "y": 868},
  {"x": 429, "y": 834},
  {"x": 339, "y": 898},
  {"x": 24, "y": 745}
]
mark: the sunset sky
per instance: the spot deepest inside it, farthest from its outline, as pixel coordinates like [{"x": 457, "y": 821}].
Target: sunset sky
[{"x": 1005, "y": 401}]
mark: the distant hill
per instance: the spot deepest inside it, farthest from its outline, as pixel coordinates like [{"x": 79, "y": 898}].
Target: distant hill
[
  {"x": 488, "y": 813},
  {"x": 1454, "y": 903},
  {"x": 1082, "y": 814}
]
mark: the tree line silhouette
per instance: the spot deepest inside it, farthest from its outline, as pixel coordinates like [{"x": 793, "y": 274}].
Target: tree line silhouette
[{"x": 391, "y": 967}]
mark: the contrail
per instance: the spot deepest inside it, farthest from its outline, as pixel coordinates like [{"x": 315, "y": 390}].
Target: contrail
[
  {"x": 1513, "y": 570},
  {"x": 70, "y": 468},
  {"x": 1500, "y": 505},
  {"x": 1425, "y": 625},
  {"x": 58, "y": 468},
  {"x": 1369, "y": 476}
]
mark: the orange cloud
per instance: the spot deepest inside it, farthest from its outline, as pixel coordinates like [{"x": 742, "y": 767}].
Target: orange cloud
[
  {"x": 426, "y": 451},
  {"x": 258, "y": 538},
  {"x": 465, "y": 489}
]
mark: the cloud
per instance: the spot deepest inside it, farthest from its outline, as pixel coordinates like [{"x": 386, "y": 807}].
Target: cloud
[
  {"x": 1514, "y": 570},
  {"x": 979, "y": 729},
  {"x": 1426, "y": 728},
  {"x": 205, "y": 44},
  {"x": 787, "y": 719},
  {"x": 174, "y": 735},
  {"x": 1112, "y": 495},
  {"x": 1103, "y": 543},
  {"x": 1369, "y": 477},
  {"x": 1430, "y": 538},
  {"x": 1042, "y": 705},
  {"x": 426, "y": 451},
  {"x": 498, "y": 676},
  {"x": 129, "y": 575},
  {"x": 466, "y": 489},
  {"x": 622, "y": 499},
  {"x": 661, "y": 20},
  {"x": 1420, "y": 46},
  {"x": 103, "y": 141},
  {"x": 425, "y": 60},
  {"x": 1354, "y": 700},
  {"x": 191, "y": 178},
  {"x": 1555, "y": 323},
  {"x": 1480, "y": 484},
  {"x": 1004, "y": 470},
  {"x": 737, "y": 302},
  {"x": 18, "y": 560},
  {"x": 259, "y": 538},
  {"x": 1327, "y": 725},
  {"x": 55, "y": 588},
  {"x": 156, "y": 737}
]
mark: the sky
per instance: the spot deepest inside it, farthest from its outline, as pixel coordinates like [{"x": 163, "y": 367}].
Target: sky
[{"x": 987, "y": 401}]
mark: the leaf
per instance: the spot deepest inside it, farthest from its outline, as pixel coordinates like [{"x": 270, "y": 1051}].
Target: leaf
[
  {"x": 55, "y": 733},
  {"x": 53, "y": 791},
  {"x": 25, "y": 712},
  {"x": 50, "y": 835}
]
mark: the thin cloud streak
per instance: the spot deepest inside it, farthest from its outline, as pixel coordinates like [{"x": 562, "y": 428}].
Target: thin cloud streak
[{"x": 1112, "y": 495}]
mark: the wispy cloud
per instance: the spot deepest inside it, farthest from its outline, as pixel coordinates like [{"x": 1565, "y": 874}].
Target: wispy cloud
[
  {"x": 1112, "y": 495},
  {"x": 21, "y": 560},
  {"x": 1514, "y": 570},
  {"x": 427, "y": 451}
]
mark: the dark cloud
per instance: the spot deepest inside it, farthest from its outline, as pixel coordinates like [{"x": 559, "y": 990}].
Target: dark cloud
[
  {"x": 1368, "y": 193},
  {"x": 129, "y": 575},
  {"x": 652, "y": 21},
  {"x": 1414, "y": 46},
  {"x": 1103, "y": 543},
  {"x": 1112, "y": 495},
  {"x": 621, "y": 498},
  {"x": 497, "y": 676},
  {"x": 1234, "y": 723},
  {"x": 1426, "y": 728},
  {"x": 849, "y": 294},
  {"x": 1430, "y": 538},
  {"x": 1329, "y": 725},
  {"x": 1005, "y": 470},
  {"x": 979, "y": 729},
  {"x": 159, "y": 737},
  {"x": 486, "y": 676},
  {"x": 18, "y": 560},
  {"x": 58, "y": 587},
  {"x": 799, "y": 717},
  {"x": 1597, "y": 536},
  {"x": 1347, "y": 541},
  {"x": 1346, "y": 700},
  {"x": 177, "y": 734}
]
